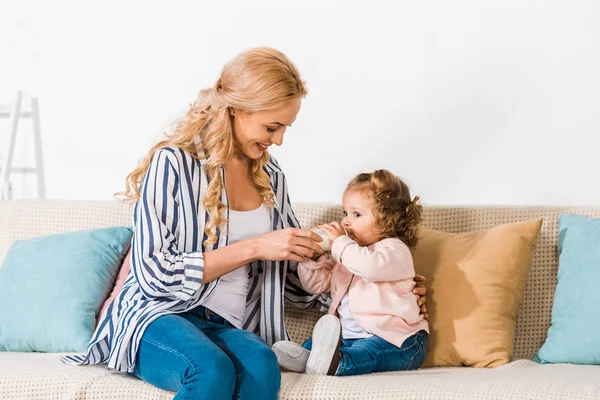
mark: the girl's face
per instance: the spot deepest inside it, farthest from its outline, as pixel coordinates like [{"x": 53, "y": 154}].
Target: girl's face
[
  {"x": 359, "y": 219},
  {"x": 253, "y": 133}
]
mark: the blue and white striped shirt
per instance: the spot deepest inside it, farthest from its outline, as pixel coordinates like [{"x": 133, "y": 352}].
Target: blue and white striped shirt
[{"x": 168, "y": 264}]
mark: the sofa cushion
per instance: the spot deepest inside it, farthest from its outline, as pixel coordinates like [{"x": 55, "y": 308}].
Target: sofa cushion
[
  {"x": 43, "y": 376},
  {"x": 522, "y": 379},
  {"x": 476, "y": 284},
  {"x": 574, "y": 336},
  {"x": 51, "y": 288}
]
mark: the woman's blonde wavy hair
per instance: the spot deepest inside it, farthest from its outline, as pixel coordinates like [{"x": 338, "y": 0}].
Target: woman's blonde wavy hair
[{"x": 256, "y": 80}]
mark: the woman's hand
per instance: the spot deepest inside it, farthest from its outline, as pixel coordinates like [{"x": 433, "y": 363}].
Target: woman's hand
[
  {"x": 288, "y": 244},
  {"x": 421, "y": 291},
  {"x": 334, "y": 230}
]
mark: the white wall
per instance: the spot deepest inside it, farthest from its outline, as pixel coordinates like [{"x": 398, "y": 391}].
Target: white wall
[{"x": 472, "y": 102}]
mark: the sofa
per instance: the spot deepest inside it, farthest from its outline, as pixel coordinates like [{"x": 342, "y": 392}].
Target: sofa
[{"x": 31, "y": 375}]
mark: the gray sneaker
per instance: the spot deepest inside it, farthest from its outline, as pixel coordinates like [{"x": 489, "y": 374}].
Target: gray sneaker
[
  {"x": 324, "y": 357},
  {"x": 291, "y": 356}
]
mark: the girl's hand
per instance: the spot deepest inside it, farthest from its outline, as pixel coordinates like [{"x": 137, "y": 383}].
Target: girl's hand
[
  {"x": 421, "y": 291},
  {"x": 288, "y": 244},
  {"x": 334, "y": 230}
]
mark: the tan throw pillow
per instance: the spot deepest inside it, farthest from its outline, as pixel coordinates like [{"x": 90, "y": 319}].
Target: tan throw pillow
[{"x": 476, "y": 283}]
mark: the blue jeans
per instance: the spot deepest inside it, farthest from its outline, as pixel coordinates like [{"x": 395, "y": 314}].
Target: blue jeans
[
  {"x": 373, "y": 354},
  {"x": 200, "y": 355}
]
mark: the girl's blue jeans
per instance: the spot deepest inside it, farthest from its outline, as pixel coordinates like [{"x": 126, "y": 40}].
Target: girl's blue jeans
[
  {"x": 373, "y": 354},
  {"x": 200, "y": 355}
]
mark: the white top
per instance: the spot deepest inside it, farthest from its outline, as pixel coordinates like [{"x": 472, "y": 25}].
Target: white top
[
  {"x": 229, "y": 297},
  {"x": 350, "y": 328}
]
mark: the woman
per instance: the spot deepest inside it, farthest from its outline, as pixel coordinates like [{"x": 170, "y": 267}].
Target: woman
[{"x": 211, "y": 206}]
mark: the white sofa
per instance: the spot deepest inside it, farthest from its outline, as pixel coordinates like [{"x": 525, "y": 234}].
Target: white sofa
[{"x": 43, "y": 376}]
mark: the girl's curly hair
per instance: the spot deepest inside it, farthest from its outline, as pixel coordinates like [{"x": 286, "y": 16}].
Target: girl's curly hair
[{"x": 396, "y": 214}]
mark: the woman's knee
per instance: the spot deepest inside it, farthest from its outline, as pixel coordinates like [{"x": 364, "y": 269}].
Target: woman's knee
[
  {"x": 215, "y": 372},
  {"x": 259, "y": 373},
  {"x": 195, "y": 372},
  {"x": 269, "y": 359},
  {"x": 267, "y": 374}
]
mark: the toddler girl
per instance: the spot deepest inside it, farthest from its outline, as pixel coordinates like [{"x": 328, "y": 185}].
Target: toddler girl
[{"x": 369, "y": 274}]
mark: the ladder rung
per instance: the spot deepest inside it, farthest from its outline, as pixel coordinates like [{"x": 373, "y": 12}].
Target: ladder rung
[
  {"x": 7, "y": 114},
  {"x": 23, "y": 170}
]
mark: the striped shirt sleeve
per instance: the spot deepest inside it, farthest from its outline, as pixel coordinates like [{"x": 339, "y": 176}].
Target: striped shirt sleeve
[
  {"x": 162, "y": 270},
  {"x": 294, "y": 292}
]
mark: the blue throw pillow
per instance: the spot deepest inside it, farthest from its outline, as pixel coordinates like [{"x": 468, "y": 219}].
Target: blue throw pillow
[
  {"x": 574, "y": 336},
  {"x": 51, "y": 288}
]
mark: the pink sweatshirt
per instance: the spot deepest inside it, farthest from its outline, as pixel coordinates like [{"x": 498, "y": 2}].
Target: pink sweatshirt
[{"x": 378, "y": 280}]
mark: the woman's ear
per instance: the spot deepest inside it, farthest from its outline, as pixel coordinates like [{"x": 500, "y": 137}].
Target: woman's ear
[{"x": 232, "y": 111}]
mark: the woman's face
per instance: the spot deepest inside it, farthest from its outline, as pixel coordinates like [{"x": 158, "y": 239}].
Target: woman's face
[{"x": 254, "y": 132}]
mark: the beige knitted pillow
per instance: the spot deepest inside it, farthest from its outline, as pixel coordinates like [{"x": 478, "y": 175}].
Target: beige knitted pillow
[{"x": 476, "y": 283}]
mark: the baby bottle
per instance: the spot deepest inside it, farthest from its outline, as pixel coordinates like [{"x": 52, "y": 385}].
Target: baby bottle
[{"x": 326, "y": 243}]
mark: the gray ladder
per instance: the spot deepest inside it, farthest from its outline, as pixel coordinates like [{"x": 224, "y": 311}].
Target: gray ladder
[{"x": 14, "y": 113}]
